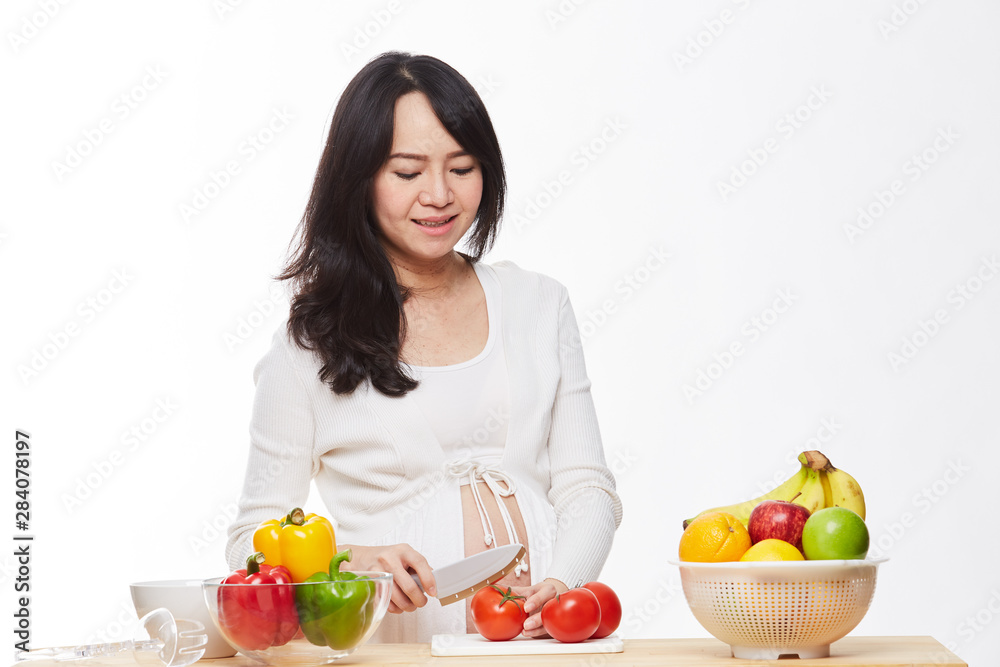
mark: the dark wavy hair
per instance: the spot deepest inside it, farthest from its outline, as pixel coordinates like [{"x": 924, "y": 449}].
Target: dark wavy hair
[{"x": 347, "y": 305}]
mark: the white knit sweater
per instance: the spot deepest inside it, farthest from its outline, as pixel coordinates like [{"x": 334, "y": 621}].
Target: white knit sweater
[{"x": 382, "y": 474}]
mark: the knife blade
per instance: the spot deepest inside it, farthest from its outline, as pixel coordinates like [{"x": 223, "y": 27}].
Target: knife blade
[{"x": 463, "y": 578}]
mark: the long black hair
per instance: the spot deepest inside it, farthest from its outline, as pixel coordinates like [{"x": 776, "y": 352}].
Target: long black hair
[{"x": 347, "y": 305}]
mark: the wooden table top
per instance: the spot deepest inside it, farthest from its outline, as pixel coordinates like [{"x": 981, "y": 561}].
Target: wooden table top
[{"x": 850, "y": 651}]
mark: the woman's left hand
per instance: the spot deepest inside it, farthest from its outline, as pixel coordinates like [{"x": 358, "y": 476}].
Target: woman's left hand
[{"x": 537, "y": 595}]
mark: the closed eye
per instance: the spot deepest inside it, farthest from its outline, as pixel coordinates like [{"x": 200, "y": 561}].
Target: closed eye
[
  {"x": 464, "y": 172},
  {"x": 406, "y": 177}
]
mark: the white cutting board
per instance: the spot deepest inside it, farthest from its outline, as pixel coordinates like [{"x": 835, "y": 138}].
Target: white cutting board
[{"x": 475, "y": 644}]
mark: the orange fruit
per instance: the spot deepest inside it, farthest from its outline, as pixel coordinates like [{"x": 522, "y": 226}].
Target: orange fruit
[
  {"x": 772, "y": 549},
  {"x": 715, "y": 537}
]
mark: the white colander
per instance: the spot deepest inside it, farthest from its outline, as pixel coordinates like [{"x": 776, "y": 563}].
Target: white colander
[{"x": 764, "y": 610}]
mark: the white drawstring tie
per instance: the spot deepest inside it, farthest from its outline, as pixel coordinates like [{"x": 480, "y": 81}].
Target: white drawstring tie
[{"x": 492, "y": 475}]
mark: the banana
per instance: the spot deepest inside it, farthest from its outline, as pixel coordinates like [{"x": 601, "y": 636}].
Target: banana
[
  {"x": 845, "y": 491},
  {"x": 827, "y": 491},
  {"x": 812, "y": 496},
  {"x": 842, "y": 490},
  {"x": 787, "y": 490}
]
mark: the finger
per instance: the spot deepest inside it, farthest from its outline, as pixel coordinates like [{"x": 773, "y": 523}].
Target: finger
[
  {"x": 405, "y": 592},
  {"x": 416, "y": 564},
  {"x": 401, "y": 599},
  {"x": 533, "y": 627},
  {"x": 526, "y": 591},
  {"x": 426, "y": 576},
  {"x": 408, "y": 588},
  {"x": 538, "y": 599},
  {"x": 533, "y": 623},
  {"x": 393, "y": 609}
]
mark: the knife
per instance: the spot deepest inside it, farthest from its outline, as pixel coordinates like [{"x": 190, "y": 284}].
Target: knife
[{"x": 461, "y": 579}]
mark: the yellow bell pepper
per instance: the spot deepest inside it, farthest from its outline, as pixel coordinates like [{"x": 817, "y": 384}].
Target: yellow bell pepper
[{"x": 304, "y": 543}]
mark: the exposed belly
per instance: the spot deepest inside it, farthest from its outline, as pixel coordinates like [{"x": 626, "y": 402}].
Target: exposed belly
[{"x": 473, "y": 529}]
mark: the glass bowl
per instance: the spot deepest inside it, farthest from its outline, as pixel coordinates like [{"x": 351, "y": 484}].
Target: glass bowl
[{"x": 306, "y": 623}]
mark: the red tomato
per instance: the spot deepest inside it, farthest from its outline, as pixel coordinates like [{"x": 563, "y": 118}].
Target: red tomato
[
  {"x": 611, "y": 608},
  {"x": 572, "y": 616},
  {"x": 498, "y": 616}
]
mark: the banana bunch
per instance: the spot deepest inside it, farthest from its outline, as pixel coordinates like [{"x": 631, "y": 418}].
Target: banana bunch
[{"x": 815, "y": 485}]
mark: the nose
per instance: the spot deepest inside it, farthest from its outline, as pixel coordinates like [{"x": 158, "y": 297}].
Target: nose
[{"x": 438, "y": 192}]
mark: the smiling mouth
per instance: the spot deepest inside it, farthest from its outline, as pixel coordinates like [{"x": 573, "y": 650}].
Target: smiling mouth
[{"x": 433, "y": 223}]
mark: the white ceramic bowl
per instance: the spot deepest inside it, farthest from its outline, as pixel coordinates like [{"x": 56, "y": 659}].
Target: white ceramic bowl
[{"x": 184, "y": 599}]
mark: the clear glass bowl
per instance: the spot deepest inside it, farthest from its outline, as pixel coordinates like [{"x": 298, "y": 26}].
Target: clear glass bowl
[{"x": 300, "y": 650}]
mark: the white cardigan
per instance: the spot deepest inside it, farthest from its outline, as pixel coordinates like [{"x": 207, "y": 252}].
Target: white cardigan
[{"x": 381, "y": 472}]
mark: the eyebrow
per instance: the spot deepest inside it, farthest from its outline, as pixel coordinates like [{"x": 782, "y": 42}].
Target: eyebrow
[{"x": 417, "y": 156}]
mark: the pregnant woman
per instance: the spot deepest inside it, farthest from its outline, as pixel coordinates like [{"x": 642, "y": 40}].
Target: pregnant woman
[{"x": 441, "y": 405}]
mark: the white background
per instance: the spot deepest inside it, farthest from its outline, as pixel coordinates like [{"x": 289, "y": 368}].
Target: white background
[{"x": 671, "y": 100}]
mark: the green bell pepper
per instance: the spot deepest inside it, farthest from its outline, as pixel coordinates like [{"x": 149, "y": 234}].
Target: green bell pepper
[{"x": 339, "y": 613}]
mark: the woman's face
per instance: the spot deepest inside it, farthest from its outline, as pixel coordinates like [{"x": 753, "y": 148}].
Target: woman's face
[{"x": 427, "y": 193}]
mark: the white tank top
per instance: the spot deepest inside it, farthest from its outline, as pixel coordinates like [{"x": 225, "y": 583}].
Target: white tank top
[{"x": 467, "y": 405}]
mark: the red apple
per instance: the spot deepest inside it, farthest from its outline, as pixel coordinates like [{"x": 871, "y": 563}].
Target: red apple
[{"x": 778, "y": 519}]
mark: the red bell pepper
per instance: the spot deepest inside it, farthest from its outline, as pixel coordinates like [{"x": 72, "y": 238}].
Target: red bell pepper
[{"x": 261, "y": 612}]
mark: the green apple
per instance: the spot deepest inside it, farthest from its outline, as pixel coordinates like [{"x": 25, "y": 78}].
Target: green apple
[{"x": 833, "y": 533}]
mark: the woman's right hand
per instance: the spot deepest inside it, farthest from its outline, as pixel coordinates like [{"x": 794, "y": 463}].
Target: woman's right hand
[{"x": 401, "y": 561}]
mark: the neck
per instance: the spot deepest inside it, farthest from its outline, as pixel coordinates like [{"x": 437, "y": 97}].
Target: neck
[{"x": 432, "y": 280}]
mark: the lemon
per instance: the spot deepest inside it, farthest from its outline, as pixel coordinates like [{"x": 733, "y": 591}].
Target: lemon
[{"x": 772, "y": 550}]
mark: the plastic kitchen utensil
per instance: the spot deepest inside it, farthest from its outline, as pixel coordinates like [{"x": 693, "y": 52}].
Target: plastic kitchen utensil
[
  {"x": 159, "y": 639},
  {"x": 764, "y": 610},
  {"x": 184, "y": 599},
  {"x": 463, "y": 578}
]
